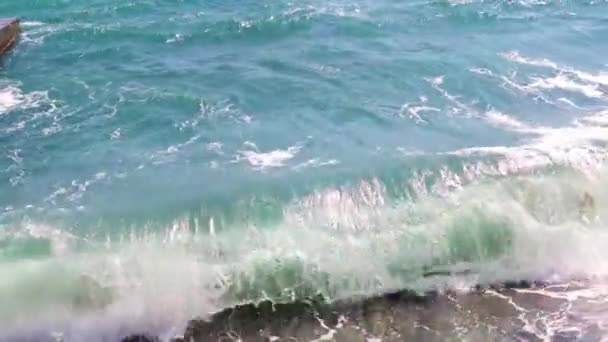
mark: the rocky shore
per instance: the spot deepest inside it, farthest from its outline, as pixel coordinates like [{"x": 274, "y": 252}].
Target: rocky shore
[{"x": 509, "y": 311}]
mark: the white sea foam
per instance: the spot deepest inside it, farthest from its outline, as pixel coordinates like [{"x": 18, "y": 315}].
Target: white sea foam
[
  {"x": 12, "y": 98},
  {"x": 332, "y": 8},
  {"x": 567, "y": 78},
  {"x": 176, "y": 38},
  {"x": 171, "y": 152},
  {"x": 250, "y": 145},
  {"x": 575, "y": 146},
  {"x": 436, "y": 80},
  {"x": 482, "y": 71},
  {"x": 460, "y": 2},
  {"x": 598, "y": 120},
  {"x": 116, "y": 134},
  {"x": 263, "y": 160},
  {"x": 568, "y": 102},
  {"x": 215, "y": 146},
  {"x": 31, "y": 23},
  {"x": 562, "y": 81},
  {"x": 76, "y": 189},
  {"x": 525, "y": 3},
  {"x": 52, "y": 129},
  {"x": 599, "y": 78},
  {"x": 35, "y": 32},
  {"x": 461, "y": 108},
  {"x": 16, "y": 169},
  {"x": 515, "y": 56},
  {"x": 315, "y": 163},
  {"x": 503, "y": 120},
  {"x": 413, "y": 110},
  {"x": 212, "y": 111}
]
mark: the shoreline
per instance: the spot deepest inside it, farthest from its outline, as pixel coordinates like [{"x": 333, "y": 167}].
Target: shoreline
[{"x": 482, "y": 314}]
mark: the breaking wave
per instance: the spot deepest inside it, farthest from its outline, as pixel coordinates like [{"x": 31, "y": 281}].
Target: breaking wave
[{"x": 534, "y": 226}]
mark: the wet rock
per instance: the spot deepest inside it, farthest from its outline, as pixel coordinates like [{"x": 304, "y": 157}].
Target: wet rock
[
  {"x": 565, "y": 336},
  {"x": 395, "y": 316},
  {"x": 302, "y": 319},
  {"x": 527, "y": 336},
  {"x": 140, "y": 338}
]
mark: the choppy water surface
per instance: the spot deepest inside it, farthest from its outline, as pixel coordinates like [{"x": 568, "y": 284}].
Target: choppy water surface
[{"x": 163, "y": 160}]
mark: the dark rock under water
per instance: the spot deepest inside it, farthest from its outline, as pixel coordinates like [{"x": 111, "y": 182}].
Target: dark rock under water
[{"x": 484, "y": 314}]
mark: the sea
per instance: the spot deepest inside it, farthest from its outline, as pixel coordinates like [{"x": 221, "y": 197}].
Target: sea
[{"x": 169, "y": 160}]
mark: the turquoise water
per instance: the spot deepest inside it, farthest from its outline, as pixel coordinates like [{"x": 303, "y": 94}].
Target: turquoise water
[{"x": 192, "y": 155}]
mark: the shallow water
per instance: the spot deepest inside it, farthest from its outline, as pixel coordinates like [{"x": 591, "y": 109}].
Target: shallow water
[{"x": 167, "y": 160}]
